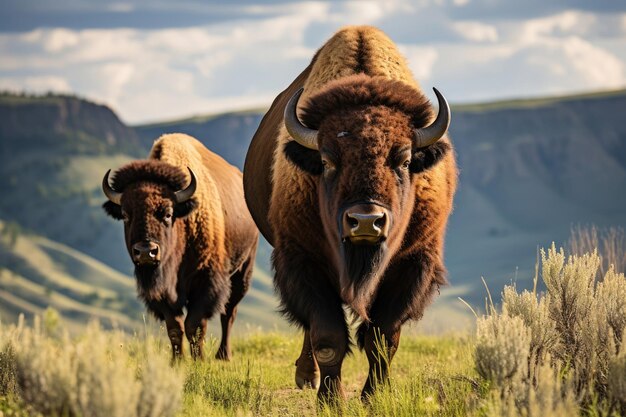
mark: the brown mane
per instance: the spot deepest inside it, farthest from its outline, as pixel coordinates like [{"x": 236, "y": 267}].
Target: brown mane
[
  {"x": 149, "y": 171},
  {"x": 363, "y": 90}
]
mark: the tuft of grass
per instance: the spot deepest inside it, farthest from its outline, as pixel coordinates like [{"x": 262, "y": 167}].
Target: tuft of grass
[{"x": 610, "y": 242}]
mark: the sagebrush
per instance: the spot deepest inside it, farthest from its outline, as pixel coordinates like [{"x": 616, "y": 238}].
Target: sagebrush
[
  {"x": 561, "y": 350},
  {"x": 100, "y": 373}
]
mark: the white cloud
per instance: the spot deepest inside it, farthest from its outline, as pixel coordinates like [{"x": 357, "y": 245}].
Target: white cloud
[
  {"x": 597, "y": 66},
  {"x": 421, "y": 60},
  {"x": 566, "y": 23},
  {"x": 59, "y": 39},
  {"x": 174, "y": 72},
  {"x": 476, "y": 31},
  {"x": 39, "y": 84},
  {"x": 121, "y": 7}
]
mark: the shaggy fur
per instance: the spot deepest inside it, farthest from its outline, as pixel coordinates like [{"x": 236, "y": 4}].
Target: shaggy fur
[
  {"x": 150, "y": 171},
  {"x": 207, "y": 255},
  {"x": 361, "y": 90},
  {"x": 360, "y": 84}
]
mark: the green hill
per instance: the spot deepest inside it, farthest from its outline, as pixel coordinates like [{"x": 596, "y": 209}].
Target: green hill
[
  {"x": 68, "y": 254},
  {"x": 529, "y": 170}
]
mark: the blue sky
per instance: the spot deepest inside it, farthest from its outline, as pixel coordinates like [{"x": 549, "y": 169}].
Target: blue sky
[{"x": 155, "y": 59}]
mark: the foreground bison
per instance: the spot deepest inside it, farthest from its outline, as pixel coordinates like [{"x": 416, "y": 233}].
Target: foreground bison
[
  {"x": 354, "y": 198},
  {"x": 189, "y": 234}
]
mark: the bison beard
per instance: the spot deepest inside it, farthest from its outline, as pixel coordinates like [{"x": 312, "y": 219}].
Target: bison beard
[
  {"x": 363, "y": 267},
  {"x": 151, "y": 282}
]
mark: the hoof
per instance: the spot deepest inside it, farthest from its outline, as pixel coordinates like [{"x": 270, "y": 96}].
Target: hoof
[
  {"x": 307, "y": 376},
  {"x": 308, "y": 381},
  {"x": 331, "y": 393},
  {"x": 223, "y": 355}
]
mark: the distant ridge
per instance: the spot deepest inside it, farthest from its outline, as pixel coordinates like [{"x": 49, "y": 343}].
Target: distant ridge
[{"x": 530, "y": 169}]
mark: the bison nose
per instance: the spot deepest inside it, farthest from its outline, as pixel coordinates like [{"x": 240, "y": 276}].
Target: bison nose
[
  {"x": 365, "y": 223},
  {"x": 146, "y": 252}
]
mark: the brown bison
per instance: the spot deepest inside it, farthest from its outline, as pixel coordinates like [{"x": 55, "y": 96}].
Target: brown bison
[
  {"x": 189, "y": 234},
  {"x": 351, "y": 177}
]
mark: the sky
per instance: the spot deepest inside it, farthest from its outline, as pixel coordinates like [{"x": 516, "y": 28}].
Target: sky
[{"x": 155, "y": 60}]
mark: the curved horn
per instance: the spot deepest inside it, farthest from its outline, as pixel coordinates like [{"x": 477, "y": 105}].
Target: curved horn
[
  {"x": 112, "y": 195},
  {"x": 184, "y": 195},
  {"x": 428, "y": 135},
  {"x": 300, "y": 133}
]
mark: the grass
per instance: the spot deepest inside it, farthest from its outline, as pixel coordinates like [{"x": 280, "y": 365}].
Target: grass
[
  {"x": 430, "y": 375},
  {"x": 553, "y": 353}
]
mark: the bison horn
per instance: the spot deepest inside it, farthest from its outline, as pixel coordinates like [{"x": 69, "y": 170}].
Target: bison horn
[
  {"x": 428, "y": 135},
  {"x": 184, "y": 195},
  {"x": 112, "y": 195},
  {"x": 300, "y": 133}
]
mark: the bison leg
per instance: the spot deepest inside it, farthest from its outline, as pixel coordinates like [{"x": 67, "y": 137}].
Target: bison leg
[
  {"x": 307, "y": 370},
  {"x": 174, "y": 325},
  {"x": 380, "y": 342},
  {"x": 398, "y": 300},
  {"x": 195, "y": 328},
  {"x": 330, "y": 343},
  {"x": 240, "y": 282},
  {"x": 309, "y": 299}
]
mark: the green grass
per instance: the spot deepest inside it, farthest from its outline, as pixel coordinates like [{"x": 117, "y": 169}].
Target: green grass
[{"x": 430, "y": 376}]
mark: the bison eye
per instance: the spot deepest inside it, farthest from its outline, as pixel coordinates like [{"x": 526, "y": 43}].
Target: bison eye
[
  {"x": 328, "y": 165},
  {"x": 406, "y": 164},
  {"x": 167, "y": 215}
]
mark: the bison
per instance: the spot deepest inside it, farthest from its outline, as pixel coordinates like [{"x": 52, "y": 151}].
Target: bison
[
  {"x": 189, "y": 234},
  {"x": 351, "y": 177}
]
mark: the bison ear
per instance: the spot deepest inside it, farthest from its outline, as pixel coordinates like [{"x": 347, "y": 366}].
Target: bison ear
[
  {"x": 113, "y": 210},
  {"x": 426, "y": 158},
  {"x": 185, "y": 208},
  {"x": 306, "y": 159}
]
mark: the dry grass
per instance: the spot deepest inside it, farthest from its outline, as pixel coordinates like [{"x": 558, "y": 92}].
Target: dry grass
[{"x": 610, "y": 243}]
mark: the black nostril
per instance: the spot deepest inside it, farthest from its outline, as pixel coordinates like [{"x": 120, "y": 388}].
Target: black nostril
[
  {"x": 136, "y": 252},
  {"x": 380, "y": 222},
  {"x": 352, "y": 221}
]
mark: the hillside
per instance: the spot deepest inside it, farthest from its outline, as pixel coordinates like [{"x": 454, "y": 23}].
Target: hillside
[
  {"x": 54, "y": 151},
  {"x": 529, "y": 170}
]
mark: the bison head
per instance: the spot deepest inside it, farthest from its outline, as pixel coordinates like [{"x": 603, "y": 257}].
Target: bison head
[
  {"x": 367, "y": 141},
  {"x": 150, "y": 197}
]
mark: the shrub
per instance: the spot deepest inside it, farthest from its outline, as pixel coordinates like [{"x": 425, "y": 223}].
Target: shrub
[
  {"x": 545, "y": 353},
  {"x": 96, "y": 374}
]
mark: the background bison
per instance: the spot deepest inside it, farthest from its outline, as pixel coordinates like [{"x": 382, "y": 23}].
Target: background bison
[
  {"x": 355, "y": 201},
  {"x": 189, "y": 234}
]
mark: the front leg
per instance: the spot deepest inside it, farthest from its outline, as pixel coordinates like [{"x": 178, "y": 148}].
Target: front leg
[
  {"x": 195, "y": 328},
  {"x": 175, "y": 330},
  {"x": 380, "y": 340},
  {"x": 307, "y": 370},
  {"x": 309, "y": 299},
  {"x": 330, "y": 343},
  {"x": 406, "y": 290}
]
